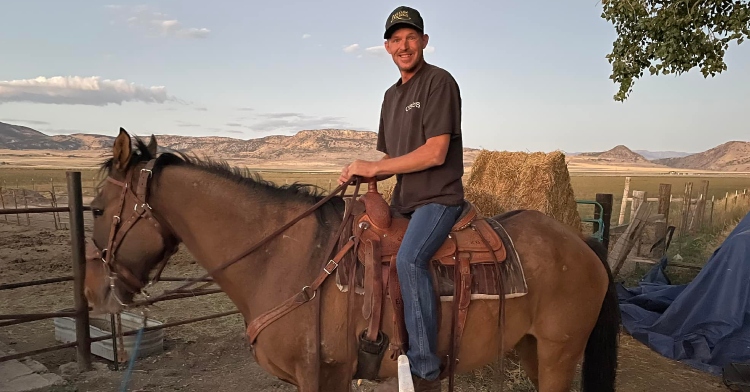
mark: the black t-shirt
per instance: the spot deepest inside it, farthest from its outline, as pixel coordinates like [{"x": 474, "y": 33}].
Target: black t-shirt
[{"x": 427, "y": 105}]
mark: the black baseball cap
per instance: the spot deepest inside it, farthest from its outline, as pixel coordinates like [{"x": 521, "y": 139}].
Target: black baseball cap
[{"x": 403, "y": 16}]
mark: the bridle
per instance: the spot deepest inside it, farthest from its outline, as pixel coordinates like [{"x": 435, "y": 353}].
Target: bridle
[
  {"x": 141, "y": 209},
  {"x": 119, "y": 228}
]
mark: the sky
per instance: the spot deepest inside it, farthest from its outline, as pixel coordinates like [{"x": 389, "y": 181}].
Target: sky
[{"x": 533, "y": 75}]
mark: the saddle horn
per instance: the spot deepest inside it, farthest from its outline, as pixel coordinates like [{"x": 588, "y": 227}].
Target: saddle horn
[{"x": 377, "y": 208}]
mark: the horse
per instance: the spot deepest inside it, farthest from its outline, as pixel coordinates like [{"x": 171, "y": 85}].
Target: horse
[{"x": 268, "y": 247}]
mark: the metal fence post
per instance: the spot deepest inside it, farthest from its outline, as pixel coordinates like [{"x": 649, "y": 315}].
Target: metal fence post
[{"x": 77, "y": 244}]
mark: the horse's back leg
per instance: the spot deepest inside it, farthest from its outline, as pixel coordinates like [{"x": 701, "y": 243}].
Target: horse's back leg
[
  {"x": 527, "y": 353},
  {"x": 557, "y": 363}
]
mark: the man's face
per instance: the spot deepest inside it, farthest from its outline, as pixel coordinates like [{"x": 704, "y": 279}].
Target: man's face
[{"x": 406, "y": 47}]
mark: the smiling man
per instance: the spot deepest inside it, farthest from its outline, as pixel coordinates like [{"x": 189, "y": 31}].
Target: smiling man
[{"x": 420, "y": 135}]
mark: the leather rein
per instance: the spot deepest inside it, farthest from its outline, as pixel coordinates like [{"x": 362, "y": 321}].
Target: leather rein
[{"x": 142, "y": 209}]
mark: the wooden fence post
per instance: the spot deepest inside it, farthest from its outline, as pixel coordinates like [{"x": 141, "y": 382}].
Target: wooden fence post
[
  {"x": 26, "y": 205},
  {"x": 639, "y": 198},
  {"x": 628, "y": 239},
  {"x": 2, "y": 202},
  {"x": 624, "y": 203},
  {"x": 15, "y": 205},
  {"x": 700, "y": 206},
  {"x": 665, "y": 194},
  {"x": 726, "y": 202},
  {"x": 686, "y": 201}
]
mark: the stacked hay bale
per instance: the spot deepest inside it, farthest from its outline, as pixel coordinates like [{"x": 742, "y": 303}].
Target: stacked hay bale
[{"x": 502, "y": 181}]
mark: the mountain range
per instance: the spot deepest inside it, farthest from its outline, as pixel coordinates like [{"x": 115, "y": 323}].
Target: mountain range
[{"x": 327, "y": 148}]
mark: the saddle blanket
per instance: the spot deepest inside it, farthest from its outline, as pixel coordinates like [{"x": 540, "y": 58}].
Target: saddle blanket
[{"x": 485, "y": 276}]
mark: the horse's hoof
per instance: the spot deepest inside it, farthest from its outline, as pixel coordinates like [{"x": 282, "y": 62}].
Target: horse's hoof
[{"x": 390, "y": 385}]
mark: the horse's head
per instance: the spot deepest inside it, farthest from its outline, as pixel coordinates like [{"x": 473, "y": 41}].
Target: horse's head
[{"x": 129, "y": 240}]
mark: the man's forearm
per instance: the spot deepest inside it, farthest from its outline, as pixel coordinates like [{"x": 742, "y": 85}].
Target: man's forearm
[{"x": 417, "y": 160}]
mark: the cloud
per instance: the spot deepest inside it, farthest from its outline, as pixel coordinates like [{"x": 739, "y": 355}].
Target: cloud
[
  {"x": 77, "y": 90},
  {"x": 31, "y": 122},
  {"x": 185, "y": 124},
  {"x": 306, "y": 36},
  {"x": 56, "y": 131},
  {"x": 154, "y": 22},
  {"x": 292, "y": 122},
  {"x": 246, "y": 109},
  {"x": 222, "y": 130},
  {"x": 351, "y": 48},
  {"x": 379, "y": 51}
]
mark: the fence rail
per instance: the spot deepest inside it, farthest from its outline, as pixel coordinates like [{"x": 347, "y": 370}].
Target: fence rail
[{"x": 75, "y": 209}]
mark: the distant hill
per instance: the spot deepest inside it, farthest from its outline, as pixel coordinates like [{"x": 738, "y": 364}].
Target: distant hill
[
  {"x": 332, "y": 148},
  {"x": 648, "y": 154},
  {"x": 653, "y": 155},
  {"x": 16, "y": 137},
  {"x": 730, "y": 156},
  {"x": 322, "y": 147},
  {"x": 618, "y": 154}
]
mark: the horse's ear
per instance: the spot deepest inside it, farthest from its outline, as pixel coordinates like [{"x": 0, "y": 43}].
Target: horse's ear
[
  {"x": 121, "y": 150},
  {"x": 152, "y": 147}
]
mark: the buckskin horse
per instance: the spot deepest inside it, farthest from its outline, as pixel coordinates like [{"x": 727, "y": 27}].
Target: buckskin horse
[{"x": 312, "y": 274}]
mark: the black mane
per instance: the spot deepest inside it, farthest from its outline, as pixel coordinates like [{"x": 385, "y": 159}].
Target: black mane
[{"x": 292, "y": 192}]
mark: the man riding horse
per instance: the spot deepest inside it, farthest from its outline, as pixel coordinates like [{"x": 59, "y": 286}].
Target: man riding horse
[{"x": 420, "y": 135}]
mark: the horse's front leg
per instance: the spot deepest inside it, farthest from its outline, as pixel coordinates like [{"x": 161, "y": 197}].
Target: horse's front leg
[{"x": 335, "y": 378}]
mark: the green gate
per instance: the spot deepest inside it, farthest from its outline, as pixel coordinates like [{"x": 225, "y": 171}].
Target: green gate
[{"x": 599, "y": 234}]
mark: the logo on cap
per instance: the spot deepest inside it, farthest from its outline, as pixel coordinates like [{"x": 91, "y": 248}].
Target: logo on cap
[{"x": 400, "y": 15}]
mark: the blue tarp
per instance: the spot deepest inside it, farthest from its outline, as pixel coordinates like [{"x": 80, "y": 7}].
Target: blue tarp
[{"x": 706, "y": 323}]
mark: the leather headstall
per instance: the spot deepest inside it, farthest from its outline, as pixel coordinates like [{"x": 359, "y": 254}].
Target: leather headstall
[{"x": 120, "y": 227}]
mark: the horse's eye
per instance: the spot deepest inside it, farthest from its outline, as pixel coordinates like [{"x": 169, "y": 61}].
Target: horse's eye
[{"x": 97, "y": 212}]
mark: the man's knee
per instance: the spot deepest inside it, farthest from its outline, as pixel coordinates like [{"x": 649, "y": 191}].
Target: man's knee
[{"x": 405, "y": 258}]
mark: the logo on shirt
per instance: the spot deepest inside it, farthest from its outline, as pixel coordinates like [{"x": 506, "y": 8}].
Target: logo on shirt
[{"x": 412, "y": 106}]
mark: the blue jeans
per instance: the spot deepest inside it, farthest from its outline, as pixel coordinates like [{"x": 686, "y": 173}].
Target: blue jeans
[{"x": 428, "y": 228}]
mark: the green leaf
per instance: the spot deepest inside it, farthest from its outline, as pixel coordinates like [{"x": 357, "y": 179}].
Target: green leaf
[{"x": 672, "y": 37}]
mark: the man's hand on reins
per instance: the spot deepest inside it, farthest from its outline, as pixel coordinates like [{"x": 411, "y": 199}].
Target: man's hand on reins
[{"x": 358, "y": 168}]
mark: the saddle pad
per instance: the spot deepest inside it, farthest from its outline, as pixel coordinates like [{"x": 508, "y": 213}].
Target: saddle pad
[{"x": 484, "y": 275}]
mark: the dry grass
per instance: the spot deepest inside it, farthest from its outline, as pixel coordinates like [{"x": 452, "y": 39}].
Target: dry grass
[{"x": 502, "y": 181}]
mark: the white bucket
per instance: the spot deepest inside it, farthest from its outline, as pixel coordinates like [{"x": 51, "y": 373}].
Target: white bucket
[{"x": 151, "y": 342}]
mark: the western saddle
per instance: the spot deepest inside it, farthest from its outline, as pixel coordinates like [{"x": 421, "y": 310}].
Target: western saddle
[{"x": 380, "y": 232}]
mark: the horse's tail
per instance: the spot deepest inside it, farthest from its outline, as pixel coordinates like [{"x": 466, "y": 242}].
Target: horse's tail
[{"x": 600, "y": 357}]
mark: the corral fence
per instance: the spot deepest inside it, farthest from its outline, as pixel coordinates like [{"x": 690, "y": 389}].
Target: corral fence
[
  {"x": 37, "y": 193},
  {"x": 75, "y": 208},
  {"x": 655, "y": 221}
]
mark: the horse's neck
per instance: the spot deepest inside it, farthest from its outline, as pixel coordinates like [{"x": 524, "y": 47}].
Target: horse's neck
[{"x": 217, "y": 220}]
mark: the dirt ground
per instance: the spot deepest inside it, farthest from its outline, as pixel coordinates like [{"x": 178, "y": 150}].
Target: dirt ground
[{"x": 213, "y": 355}]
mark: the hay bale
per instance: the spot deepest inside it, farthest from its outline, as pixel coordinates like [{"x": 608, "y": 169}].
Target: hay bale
[
  {"x": 386, "y": 188},
  {"x": 502, "y": 181}
]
